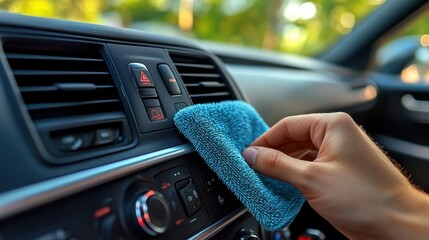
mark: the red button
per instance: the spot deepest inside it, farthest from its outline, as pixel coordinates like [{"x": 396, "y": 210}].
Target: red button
[
  {"x": 102, "y": 212},
  {"x": 155, "y": 114},
  {"x": 143, "y": 78},
  {"x": 305, "y": 237},
  {"x": 169, "y": 79}
]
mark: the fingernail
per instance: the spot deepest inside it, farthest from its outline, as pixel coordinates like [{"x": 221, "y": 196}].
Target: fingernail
[{"x": 249, "y": 155}]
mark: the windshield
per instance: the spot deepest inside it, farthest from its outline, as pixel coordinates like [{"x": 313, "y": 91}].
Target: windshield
[{"x": 295, "y": 26}]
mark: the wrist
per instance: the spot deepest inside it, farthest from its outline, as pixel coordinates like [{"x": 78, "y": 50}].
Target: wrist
[{"x": 407, "y": 217}]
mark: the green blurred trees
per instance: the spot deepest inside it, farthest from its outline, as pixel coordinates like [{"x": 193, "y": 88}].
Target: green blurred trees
[
  {"x": 79, "y": 10},
  {"x": 258, "y": 23}
]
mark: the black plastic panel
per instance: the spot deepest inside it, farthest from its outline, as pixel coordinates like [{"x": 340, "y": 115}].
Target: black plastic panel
[
  {"x": 81, "y": 29},
  {"x": 122, "y": 56},
  {"x": 108, "y": 210}
]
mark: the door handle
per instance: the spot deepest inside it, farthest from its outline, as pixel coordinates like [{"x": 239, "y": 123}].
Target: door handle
[{"x": 413, "y": 105}]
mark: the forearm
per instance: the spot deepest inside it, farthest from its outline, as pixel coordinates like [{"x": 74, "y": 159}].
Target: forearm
[
  {"x": 406, "y": 217},
  {"x": 411, "y": 220}
]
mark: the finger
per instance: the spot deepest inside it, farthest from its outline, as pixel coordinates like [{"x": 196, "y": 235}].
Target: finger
[
  {"x": 310, "y": 128},
  {"x": 303, "y": 128},
  {"x": 306, "y": 154},
  {"x": 293, "y": 147},
  {"x": 275, "y": 164}
]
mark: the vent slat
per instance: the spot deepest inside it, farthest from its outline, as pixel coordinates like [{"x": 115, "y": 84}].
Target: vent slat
[
  {"x": 57, "y": 73},
  {"x": 40, "y": 106},
  {"x": 216, "y": 94},
  {"x": 212, "y": 84},
  {"x": 59, "y": 78},
  {"x": 188, "y": 85},
  {"x": 32, "y": 89},
  {"x": 201, "y": 77},
  {"x": 190, "y": 65},
  {"x": 206, "y": 84},
  {"x": 23, "y": 56},
  {"x": 38, "y": 89}
]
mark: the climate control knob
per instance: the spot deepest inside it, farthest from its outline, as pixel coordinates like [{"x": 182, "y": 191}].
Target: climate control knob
[
  {"x": 246, "y": 234},
  {"x": 152, "y": 213}
]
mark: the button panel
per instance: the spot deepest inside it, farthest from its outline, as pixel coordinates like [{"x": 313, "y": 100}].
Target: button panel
[
  {"x": 130, "y": 57},
  {"x": 221, "y": 198},
  {"x": 190, "y": 197},
  {"x": 86, "y": 138},
  {"x": 147, "y": 91},
  {"x": 179, "y": 186}
]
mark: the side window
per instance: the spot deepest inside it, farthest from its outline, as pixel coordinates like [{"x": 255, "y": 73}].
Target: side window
[{"x": 406, "y": 52}]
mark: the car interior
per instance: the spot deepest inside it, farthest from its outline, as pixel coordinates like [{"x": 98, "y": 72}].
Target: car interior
[{"x": 89, "y": 149}]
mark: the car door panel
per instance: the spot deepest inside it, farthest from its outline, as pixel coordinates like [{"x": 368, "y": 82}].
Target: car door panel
[{"x": 401, "y": 125}]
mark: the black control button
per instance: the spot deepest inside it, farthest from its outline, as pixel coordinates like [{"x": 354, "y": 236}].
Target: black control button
[
  {"x": 105, "y": 136},
  {"x": 183, "y": 183},
  {"x": 246, "y": 234},
  {"x": 157, "y": 211},
  {"x": 191, "y": 199},
  {"x": 169, "y": 79},
  {"x": 74, "y": 142},
  {"x": 148, "y": 92},
  {"x": 180, "y": 106},
  {"x": 210, "y": 179},
  {"x": 141, "y": 75},
  {"x": 155, "y": 114},
  {"x": 222, "y": 201},
  {"x": 151, "y": 103}
]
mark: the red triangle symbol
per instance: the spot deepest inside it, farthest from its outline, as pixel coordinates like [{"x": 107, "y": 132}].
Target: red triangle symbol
[
  {"x": 143, "y": 77},
  {"x": 145, "y": 81}
]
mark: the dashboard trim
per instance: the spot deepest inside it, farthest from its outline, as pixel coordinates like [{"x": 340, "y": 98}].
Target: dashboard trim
[
  {"x": 31, "y": 196},
  {"x": 323, "y": 91},
  {"x": 218, "y": 226}
]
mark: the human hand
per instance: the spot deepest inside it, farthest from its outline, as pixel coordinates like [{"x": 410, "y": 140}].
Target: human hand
[{"x": 343, "y": 175}]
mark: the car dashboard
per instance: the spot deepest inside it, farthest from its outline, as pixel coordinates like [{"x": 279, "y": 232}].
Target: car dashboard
[{"x": 89, "y": 149}]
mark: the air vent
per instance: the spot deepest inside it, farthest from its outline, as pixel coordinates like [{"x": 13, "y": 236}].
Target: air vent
[
  {"x": 202, "y": 79},
  {"x": 70, "y": 96},
  {"x": 61, "y": 78}
]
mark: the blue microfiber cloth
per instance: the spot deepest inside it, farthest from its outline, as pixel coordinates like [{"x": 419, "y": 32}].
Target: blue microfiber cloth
[{"x": 220, "y": 132}]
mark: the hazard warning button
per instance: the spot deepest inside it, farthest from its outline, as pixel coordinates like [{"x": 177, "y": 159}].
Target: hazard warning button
[{"x": 141, "y": 75}]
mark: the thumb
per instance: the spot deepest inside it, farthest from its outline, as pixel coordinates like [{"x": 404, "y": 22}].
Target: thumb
[{"x": 276, "y": 164}]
